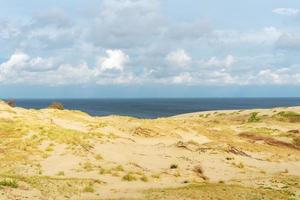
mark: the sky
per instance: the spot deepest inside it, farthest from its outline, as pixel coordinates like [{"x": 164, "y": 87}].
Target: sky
[{"x": 149, "y": 48}]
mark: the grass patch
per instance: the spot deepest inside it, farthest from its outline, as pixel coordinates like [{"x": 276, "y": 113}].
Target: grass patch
[
  {"x": 9, "y": 183},
  {"x": 129, "y": 177},
  {"x": 217, "y": 191},
  {"x": 61, "y": 173},
  {"x": 88, "y": 166},
  {"x": 119, "y": 168},
  {"x": 144, "y": 178},
  {"x": 253, "y": 117},
  {"x": 89, "y": 188},
  {"x": 289, "y": 116},
  {"x": 98, "y": 157},
  {"x": 296, "y": 141}
]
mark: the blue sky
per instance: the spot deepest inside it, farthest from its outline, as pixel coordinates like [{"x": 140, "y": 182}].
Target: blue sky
[{"x": 149, "y": 48}]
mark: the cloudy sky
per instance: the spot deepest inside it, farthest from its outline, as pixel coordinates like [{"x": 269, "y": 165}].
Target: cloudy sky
[{"x": 149, "y": 48}]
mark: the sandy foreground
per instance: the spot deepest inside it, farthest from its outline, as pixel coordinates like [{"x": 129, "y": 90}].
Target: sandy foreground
[{"x": 238, "y": 154}]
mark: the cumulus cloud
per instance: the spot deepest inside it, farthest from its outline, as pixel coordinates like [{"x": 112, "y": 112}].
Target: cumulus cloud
[
  {"x": 115, "y": 60},
  {"x": 20, "y": 62},
  {"x": 16, "y": 61},
  {"x": 279, "y": 76},
  {"x": 286, "y": 11},
  {"x": 178, "y": 58}
]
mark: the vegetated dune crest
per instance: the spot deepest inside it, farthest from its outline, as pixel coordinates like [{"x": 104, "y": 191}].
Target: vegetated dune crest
[{"x": 63, "y": 154}]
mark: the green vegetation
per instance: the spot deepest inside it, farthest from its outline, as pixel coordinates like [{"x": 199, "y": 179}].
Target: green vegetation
[
  {"x": 61, "y": 173},
  {"x": 98, "y": 157},
  {"x": 118, "y": 168},
  {"x": 9, "y": 183},
  {"x": 129, "y": 177},
  {"x": 296, "y": 141},
  {"x": 52, "y": 187},
  {"x": 144, "y": 178},
  {"x": 104, "y": 171},
  {"x": 113, "y": 171},
  {"x": 253, "y": 117},
  {"x": 89, "y": 188},
  {"x": 289, "y": 116},
  {"x": 217, "y": 191}
]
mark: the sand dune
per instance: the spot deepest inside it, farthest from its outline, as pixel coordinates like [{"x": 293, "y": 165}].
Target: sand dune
[{"x": 238, "y": 154}]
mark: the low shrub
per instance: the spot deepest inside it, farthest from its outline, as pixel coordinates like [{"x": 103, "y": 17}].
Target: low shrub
[
  {"x": 173, "y": 166},
  {"x": 253, "y": 117},
  {"x": 11, "y": 103},
  {"x": 56, "y": 105}
]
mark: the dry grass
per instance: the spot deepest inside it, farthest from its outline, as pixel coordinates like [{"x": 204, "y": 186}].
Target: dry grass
[{"x": 268, "y": 140}]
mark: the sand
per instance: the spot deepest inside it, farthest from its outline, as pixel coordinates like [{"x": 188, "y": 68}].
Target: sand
[{"x": 62, "y": 154}]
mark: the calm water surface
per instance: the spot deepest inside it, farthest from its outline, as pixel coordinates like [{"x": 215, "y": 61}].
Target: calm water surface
[{"x": 153, "y": 108}]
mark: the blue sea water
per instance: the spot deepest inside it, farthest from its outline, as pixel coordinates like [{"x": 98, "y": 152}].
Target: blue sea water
[{"x": 153, "y": 108}]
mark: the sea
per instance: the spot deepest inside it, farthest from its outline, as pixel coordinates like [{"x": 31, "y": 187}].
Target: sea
[{"x": 155, "y": 108}]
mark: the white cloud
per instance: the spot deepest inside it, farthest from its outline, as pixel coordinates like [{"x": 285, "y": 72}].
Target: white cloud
[
  {"x": 228, "y": 61},
  {"x": 281, "y": 76},
  {"x": 179, "y": 58},
  {"x": 286, "y": 11},
  {"x": 20, "y": 62},
  {"x": 17, "y": 60},
  {"x": 115, "y": 60},
  {"x": 182, "y": 78}
]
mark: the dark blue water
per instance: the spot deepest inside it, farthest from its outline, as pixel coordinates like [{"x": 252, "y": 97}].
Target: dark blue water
[{"x": 153, "y": 108}]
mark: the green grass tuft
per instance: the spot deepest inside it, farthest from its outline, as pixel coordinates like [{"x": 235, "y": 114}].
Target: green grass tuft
[
  {"x": 129, "y": 177},
  {"x": 253, "y": 117},
  {"x": 9, "y": 183}
]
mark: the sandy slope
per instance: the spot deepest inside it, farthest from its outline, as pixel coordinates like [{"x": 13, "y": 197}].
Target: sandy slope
[{"x": 52, "y": 154}]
